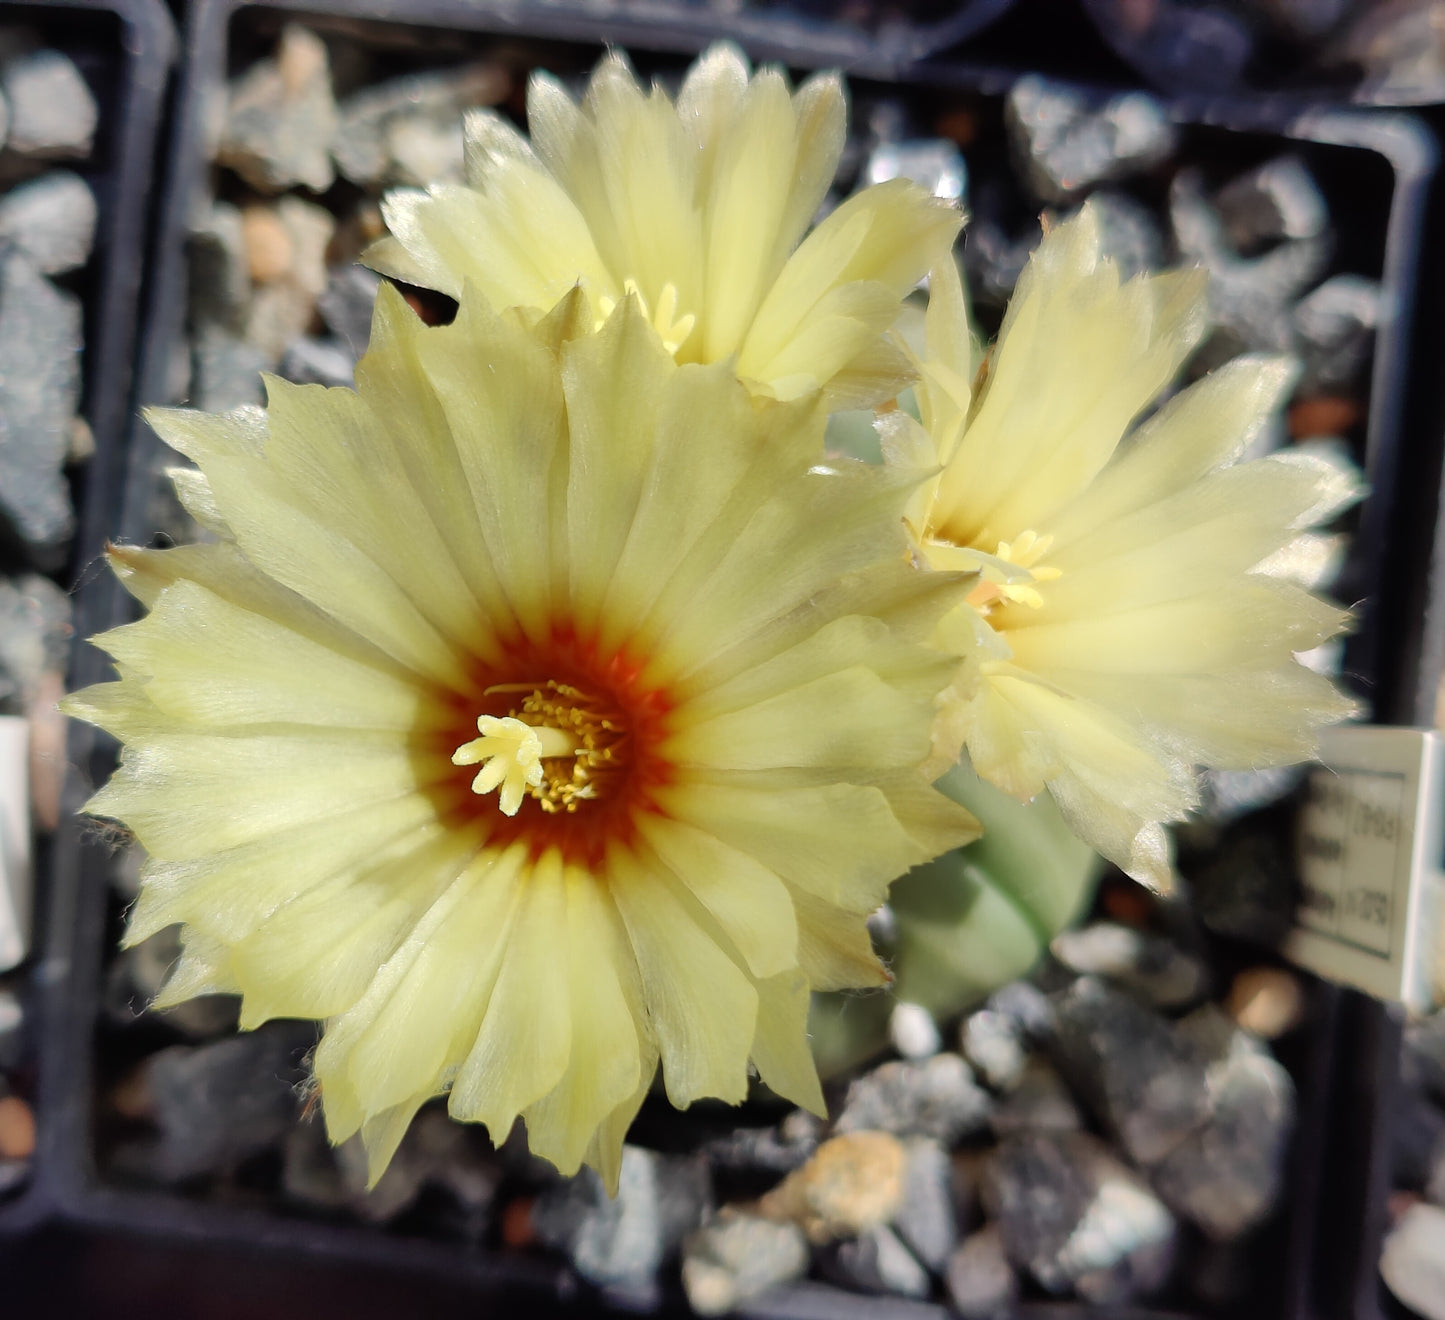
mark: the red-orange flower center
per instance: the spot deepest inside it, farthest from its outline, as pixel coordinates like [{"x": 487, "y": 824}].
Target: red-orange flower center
[{"x": 589, "y": 765}]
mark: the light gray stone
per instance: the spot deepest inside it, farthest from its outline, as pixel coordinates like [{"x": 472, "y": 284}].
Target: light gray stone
[
  {"x": 927, "y": 1223},
  {"x": 347, "y": 303},
  {"x": 52, "y": 220},
  {"x": 52, "y": 111},
  {"x": 12, "y": 1029},
  {"x": 935, "y": 164},
  {"x": 40, "y": 341},
  {"x": 1276, "y": 200},
  {"x": 993, "y": 1044},
  {"x": 1064, "y": 144},
  {"x": 1027, "y": 1006},
  {"x": 993, "y": 259},
  {"x": 1076, "y": 1218},
  {"x": 408, "y": 131},
  {"x": 660, "y": 1200},
  {"x": 1335, "y": 324},
  {"x": 1150, "y": 965},
  {"x": 319, "y": 362},
  {"x": 1145, "y": 1085},
  {"x": 1227, "y": 1175},
  {"x": 877, "y": 1262},
  {"x": 913, "y": 1031},
  {"x": 35, "y": 633},
  {"x": 282, "y": 118},
  {"x": 738, "y": 1257},
  {"x": 1412, "y": 1262},
  {"x": 981, "y": 1282},
  {"x": 1251, "y": 298},
  {"x": 936, "y": 1098},
  {"x": 225, "y": 370}
]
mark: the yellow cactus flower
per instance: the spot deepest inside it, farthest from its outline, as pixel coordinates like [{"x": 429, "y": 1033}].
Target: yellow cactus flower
[
  {"x": 1132, "y": 617},
  {"x": 696, "y": 208},
  {"x": 689, "y": 664}
]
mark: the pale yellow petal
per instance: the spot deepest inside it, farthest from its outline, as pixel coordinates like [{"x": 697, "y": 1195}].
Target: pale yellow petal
[
  {"x": 231, "y": 891},
  {"x": 605, "y": 1066},
  {"x": 525, "y": 1040},
  {"x": 702, "y": 1007},
  {"x": 747, "y": 900},
  {"x": 316, "y": 954},
  {"x": 780, "y": 1047},
  {"x": 418, "y": 1017}
]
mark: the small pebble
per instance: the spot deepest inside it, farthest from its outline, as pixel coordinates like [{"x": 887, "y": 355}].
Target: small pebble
[
  {"x": 17, "y": 1129},
  {"x": 518, "y": 1231},
  {"x": 1028, "y": 1007},
  {"x": 12, "y": 1021},
  {"x": 281, "y": 118},
  {"x": 738, "y": 1257},
  {"x": 1076, "y": 1217},
  {"x": 52, "y": 112},
  {"x": 1266, "y": 1001},
  {"x": 982, "y": 1284},
  {"x": 52, "y": 220},
  {"x": 1150, "y": 965},
  {"x": 877, "y": 1262},
  {"x": 1413, "y": 1260},
  {"x": 913, "y": 1031},
  {"x": 1228, "y": 1174},
  {"x": 936, "y": 1098},
  {"x": 991, "y": 1042},
  {"x": 852, "y": 1182},
  {"x": 926, "y": 1220},
  {"x": 1325, "y": 414},
  {"x": 1144, "y": 1083},
  {"x": 269, "y": 249},
  {"x": 622, "y": 1240}
]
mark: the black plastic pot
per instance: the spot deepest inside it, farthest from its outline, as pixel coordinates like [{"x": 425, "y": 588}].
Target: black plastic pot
[
  {"x": 1385, "y": 163},
  {"x": 124, "y": 49}
]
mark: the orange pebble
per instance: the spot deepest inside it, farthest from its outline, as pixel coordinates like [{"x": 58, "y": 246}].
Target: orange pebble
[
  {"x": 518, "y": 1231},
  {"x": 17, "y": 1129},
  {"x": 1129, "y": 904},
  {"x": 269, "y": 249},
  {"x": 959, "y": 124},
  {"x": 1325, "y": 414}
]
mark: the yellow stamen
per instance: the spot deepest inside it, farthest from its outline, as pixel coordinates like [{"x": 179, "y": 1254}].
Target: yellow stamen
[
  {"x": 1010, "y": 574},
  {"x": 555, "y": 747},
  {"x": 672, "y": 329}
]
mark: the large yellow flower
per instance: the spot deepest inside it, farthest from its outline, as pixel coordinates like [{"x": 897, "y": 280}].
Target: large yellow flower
[
  {"x": 696, "y": 207},
  {"x": 539, "y": 714},
  {"x": 1133, "y": 616}
]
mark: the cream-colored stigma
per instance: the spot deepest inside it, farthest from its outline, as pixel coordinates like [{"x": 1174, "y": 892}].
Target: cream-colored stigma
[
  {"x": 672, "y": 332},
  {"x": 557, "y": 746},
  {"x": 510, "y": 754}
]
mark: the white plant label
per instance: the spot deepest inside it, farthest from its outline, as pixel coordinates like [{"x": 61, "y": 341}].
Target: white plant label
[{"x": 1370, "y": 856}]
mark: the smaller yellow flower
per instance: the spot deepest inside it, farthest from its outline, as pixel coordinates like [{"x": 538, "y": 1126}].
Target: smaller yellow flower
[
  {"x": 699, "y": 210},
  {"x": 1133, "y": 616}
]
